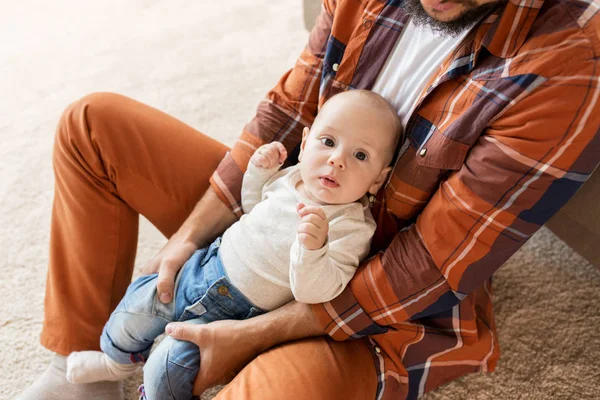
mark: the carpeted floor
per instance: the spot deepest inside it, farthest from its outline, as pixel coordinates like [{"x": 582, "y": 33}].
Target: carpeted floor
[{"x": 209, "y": 64}]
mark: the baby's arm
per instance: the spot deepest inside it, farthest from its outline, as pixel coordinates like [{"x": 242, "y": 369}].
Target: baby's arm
[
  {"x": 265, "y": 162},
  {"x": 319, "y": 275}
]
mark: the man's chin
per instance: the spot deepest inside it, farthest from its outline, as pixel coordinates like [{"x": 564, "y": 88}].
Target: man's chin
[
  {"x": 450, "y": 22},
  {"x": 445, "y": 17}
]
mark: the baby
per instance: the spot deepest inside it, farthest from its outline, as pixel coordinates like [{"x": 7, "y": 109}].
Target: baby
[{"x": 304, "y": 231}]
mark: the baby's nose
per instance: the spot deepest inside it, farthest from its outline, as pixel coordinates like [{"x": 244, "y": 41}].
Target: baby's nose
[{"x": 337, "y": 162}]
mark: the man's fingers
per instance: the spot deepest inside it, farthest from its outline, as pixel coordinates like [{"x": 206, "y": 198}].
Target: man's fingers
[
  {"x": 191, "y": 333},
  {"x": 165, "y": 284},
  {"x": 183, "y": 331},
  {"x": 151, "y": 267},
  {"x": 206, "y": 379},
  {"x": 201, "y": 383}
]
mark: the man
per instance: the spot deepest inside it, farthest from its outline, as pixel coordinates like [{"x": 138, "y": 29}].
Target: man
[{"x": 500, "y": 107}]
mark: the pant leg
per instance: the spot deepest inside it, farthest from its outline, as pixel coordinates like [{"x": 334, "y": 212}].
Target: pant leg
[
  {"x": 132, "y": 328},
  {"x": 114, "y": 158},
  {"x": 172, "y": 368},
  {"x": 316, "y": 368}
]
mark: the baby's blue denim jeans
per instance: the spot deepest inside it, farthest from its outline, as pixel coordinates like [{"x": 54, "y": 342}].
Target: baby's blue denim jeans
[{"x": 203, "y": 294}]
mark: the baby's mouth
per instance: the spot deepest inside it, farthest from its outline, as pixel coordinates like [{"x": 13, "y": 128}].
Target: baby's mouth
[{"x": 329, "y": 181}]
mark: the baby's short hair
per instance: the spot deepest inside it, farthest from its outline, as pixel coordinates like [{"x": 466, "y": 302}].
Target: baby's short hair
[{"x": 380, "y": 102}]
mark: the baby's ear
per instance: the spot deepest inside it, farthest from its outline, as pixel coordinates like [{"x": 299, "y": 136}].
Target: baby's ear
[
  {"x": 380, "y": 180},
  {"x": 305, "y": 132}
]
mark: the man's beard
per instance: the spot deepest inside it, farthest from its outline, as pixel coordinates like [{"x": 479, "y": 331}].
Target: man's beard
[{"x": 453, "y": 28}]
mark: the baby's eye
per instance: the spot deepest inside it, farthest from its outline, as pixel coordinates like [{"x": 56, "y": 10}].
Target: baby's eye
[
  {"x": 327, "y": 142},
  {"x": 360, "y": 155}
]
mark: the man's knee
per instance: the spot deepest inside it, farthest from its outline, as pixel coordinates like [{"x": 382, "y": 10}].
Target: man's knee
[
  {"x": 308, "y": 369},
  {"x": 79, "y": 117}
]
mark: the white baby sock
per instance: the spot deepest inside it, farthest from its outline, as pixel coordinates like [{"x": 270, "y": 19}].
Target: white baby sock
[{"x": 95, "y": 366}]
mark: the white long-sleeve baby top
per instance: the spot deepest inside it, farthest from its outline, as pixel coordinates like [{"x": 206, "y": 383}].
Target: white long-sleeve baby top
[{"x": 262, "y": 256}]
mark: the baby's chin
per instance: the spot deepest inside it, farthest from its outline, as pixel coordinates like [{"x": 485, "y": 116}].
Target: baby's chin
[
  {"x": 319, "y": 195},
  {"x": 327, "y": 197}
]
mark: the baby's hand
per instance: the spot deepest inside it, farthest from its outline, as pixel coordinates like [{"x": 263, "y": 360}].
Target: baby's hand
[
  {"x": 269, "y": 155},
  {"x": 313, "y": 228}
]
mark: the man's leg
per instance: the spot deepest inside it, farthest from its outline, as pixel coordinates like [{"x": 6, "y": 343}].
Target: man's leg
[
  {"x": 316, "y": 368},
  {"x": 114, "y": 158}
]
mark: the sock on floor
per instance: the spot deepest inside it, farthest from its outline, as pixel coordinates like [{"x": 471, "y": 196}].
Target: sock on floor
[
  {"x": 95, "y": 366},
  {"x": 53, "y": 385}
]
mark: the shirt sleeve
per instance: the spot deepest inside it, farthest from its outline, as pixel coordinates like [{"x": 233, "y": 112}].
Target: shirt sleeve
[
  {"x": 254, "y": 180},
  {"x": 289, "y": 107},
  {"x": 320, "y": 275},
  {"x": 521, "y": 171}
]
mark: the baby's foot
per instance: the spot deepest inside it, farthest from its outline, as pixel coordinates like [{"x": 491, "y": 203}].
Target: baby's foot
[{"x": 95, "y": 366}]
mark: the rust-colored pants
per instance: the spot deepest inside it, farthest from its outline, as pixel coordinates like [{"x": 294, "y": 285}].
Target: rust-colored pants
[{"x": 115, "y": 158}]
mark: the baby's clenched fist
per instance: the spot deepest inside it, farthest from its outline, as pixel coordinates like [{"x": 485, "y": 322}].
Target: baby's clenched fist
[
  {"x": 269, "y": 155},
  {"x": 313, "y": 227}
]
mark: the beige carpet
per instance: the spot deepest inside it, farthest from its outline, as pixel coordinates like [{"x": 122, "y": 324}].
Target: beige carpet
[{"x": 209, "y": 63}]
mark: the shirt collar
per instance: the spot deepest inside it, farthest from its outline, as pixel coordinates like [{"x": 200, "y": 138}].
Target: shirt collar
[{"x": 504, "y": 31}]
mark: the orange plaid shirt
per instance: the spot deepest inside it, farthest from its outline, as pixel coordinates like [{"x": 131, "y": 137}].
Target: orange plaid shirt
[{"x": 503, "y": 135}]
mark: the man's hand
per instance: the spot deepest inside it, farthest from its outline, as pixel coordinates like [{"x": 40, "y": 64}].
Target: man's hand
[
  {"x": 167, "y": 263},
  {"x": 208, "y": 220},
  {"x": 269, "y": 155},
  {"x": 313, "y": 227},
  {"x": 224, "y": 350},
  {"x": 227, "y": 346}
]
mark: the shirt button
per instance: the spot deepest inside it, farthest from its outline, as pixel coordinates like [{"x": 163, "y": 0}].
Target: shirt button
[
  {"x": 377, "y": 350},
  {"x": 423, "y": 152},
  {"x": 367, "y": 23},
  {"x": 335, "y": 67}
]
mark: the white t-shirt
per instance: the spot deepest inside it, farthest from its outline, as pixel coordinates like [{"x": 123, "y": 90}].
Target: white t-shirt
[{"x": 416, "y": 57}]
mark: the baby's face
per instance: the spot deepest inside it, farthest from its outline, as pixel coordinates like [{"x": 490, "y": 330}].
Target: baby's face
[{"x": 347, "y": 152}]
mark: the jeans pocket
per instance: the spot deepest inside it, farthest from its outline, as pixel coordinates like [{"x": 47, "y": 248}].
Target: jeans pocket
[
  {"x": 195, "y": 310},
  {"x": 226, "y": 301}
]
